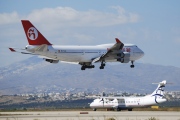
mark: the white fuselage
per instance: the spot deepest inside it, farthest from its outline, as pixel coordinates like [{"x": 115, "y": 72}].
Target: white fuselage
[
  {"x": 126, "y": 102},
  {"x": 83, "y": 55},
  {"x": 86, "y": 53}
]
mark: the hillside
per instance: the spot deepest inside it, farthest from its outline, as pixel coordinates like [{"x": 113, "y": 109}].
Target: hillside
[{"x": 28, "y": 75}]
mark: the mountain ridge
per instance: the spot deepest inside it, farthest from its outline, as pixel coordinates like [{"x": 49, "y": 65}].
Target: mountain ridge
[{"x": 35, "y": 73}]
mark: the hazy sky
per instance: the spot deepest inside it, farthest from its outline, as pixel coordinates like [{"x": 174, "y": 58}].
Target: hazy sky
[{"x": 153, "y": 25}]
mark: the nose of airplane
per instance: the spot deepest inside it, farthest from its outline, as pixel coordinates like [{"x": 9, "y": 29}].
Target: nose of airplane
[
  {"x": 91, "y": 105},
  {"x": 141, "y": 53}
]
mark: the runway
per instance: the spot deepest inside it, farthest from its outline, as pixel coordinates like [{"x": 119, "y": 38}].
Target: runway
[{"x": 90, "y": 115}]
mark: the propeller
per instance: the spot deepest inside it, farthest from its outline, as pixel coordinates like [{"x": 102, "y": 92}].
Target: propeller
[{"x": 103, "y": 101}]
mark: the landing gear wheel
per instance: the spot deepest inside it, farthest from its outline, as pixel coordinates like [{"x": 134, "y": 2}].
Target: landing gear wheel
[
  {"x": 87, "y": 66},
  {"x": 83, "y": 68},
  {"x": 132, "y": 66},
  {"x": 129, "y": 109},
  {"x": 118, "y": 109},
  {"x": 94, "y": 109},
  {"x": 103, "y": 64},
  {"x": 122, "y": 60},
  {"x": 101, "y": 67}
]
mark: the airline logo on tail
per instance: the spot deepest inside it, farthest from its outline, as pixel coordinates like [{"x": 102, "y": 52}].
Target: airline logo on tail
[
  {"x": 32, "y": 33},
  {"x": 160, "y": 95},
  {"x": 159, "y": 92},
  {"x": 34, "y": 37}
]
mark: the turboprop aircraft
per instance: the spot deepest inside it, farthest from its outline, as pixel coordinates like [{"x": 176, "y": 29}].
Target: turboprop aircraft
[
  {"x": 84, "y": 55},
  {"x": 128, "y": 103}
]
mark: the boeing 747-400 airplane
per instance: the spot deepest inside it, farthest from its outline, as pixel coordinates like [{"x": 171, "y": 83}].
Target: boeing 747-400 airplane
[{"x": 84, "y": 55}]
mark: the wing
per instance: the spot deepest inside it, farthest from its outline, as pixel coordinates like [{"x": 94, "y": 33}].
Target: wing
[{"x": 111, "y": 51}]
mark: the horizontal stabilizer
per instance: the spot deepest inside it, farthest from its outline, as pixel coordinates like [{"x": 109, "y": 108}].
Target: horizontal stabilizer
[
  {"x": 19, "y": 50},
  {"x": 29, "y": 53},
  {"x": 12, "y": 50}
]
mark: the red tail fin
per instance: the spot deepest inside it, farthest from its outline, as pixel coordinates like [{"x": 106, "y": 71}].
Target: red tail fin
[{"x": 33, "y": 35}]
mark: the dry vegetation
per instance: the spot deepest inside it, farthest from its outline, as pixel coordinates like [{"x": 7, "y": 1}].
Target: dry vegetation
[
  {"x": 89, "y": 109},
  {"x": 159, "y": 109}
]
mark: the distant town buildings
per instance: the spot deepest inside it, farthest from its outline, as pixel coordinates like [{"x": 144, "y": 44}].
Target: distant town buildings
[
  {"x": 68, "y": 98},
  {"x": 71, "y": 95}
]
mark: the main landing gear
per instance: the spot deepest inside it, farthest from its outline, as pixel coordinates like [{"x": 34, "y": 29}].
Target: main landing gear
[
  {"x": 87, "y": 66},
  {"x": 102, "y": 65},
  {"x": 132, "y": 66}
]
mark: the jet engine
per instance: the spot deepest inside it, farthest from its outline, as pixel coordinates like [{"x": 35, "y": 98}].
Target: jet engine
[
  {"x": 51, "y": 61},
  {"x": 124, "y": 57},
  {"x": 121, "y": 55}
]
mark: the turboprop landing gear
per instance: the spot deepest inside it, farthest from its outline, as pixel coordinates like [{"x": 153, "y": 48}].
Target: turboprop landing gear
[
  {"x": 118, "y": 109},
  {"x": 102, "y": 65},
  {"x": 132, "y": 66},
  {"x": 94, "y": 109}
]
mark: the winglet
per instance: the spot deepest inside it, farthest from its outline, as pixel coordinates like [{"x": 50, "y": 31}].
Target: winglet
[
  {"x": 117, "y": 40},
  {"x": 12, "y": 50}
]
